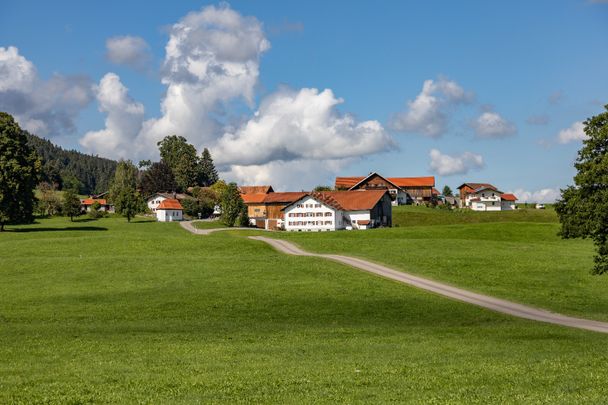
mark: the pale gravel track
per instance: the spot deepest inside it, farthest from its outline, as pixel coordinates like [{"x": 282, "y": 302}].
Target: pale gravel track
[
  {"x": 187, "y": 225},
  {"x": 484, "y": 301}
]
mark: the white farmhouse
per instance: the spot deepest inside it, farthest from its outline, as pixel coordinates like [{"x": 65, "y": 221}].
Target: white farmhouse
[
  {"x": 507, "y": 202},
  {"x": 155, "y": 199},
  {"x": 333, "y": 210},
  {"x": 169, "y": 210},
  {"x": 485, "y": 197}
]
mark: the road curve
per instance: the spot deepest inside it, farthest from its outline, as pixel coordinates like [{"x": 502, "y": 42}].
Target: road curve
[
  {"x": 494, "y": 304},
  {"x": 187, "y": 225}
]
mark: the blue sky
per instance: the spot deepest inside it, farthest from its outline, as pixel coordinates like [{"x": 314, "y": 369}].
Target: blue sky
[{"x": 506, "y": 79}]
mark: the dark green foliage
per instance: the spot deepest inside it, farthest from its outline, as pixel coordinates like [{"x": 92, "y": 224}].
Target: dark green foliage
[
  {"x": 583, "y": 207},
  {"x": 204, "y": 201},
  {"x": 207, "y": 169},
  {"x": 323, "y": 188},
  {"x": 232, "y": 204},
  {"x": 123, "y": 193},
  {"x": 157, "y": 178},
  {"x": 447, "y": 191},
  {"x": 71, "y": 204},
  {"x": 92, "y": 174},
  {"x": 244, "y": 217},
  {"x": 181, "y": 157},
  {"x": 19, "y": 168},
  {"x": 95, "y": 210},
  {"x": 49, "y": 203}
]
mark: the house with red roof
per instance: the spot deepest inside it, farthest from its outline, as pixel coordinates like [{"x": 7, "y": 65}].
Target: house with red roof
[
  {"x": 333, "y": 210},
  {"x": 104, "y": 205},
  {"x": 485, "y": 197},
  {"x": 402, "y": 190},
  {"x": 169, "y": 210}
]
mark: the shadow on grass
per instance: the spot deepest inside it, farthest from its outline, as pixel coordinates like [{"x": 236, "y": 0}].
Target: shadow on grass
[{"x": 67, "y": 228}]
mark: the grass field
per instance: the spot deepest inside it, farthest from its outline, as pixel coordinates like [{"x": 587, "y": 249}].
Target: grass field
[
  {"x": 105, "y": 311},
  {"x": 208, "y": 224},
  {"x": 521, "y": 261}
]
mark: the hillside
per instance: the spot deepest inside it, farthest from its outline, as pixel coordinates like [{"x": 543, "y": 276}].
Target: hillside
[{"x": 92, "y": 174}]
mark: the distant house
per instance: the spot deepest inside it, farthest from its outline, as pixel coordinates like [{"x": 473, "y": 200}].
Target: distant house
[
  {"x": 403, "y": 190},
  {"x": 169, "y": 210},
  {"x": 485, "y": 197},
  {"x": 104, "y": 205},
  {"x": 273, "y": 206},
  {"x": 333, "y": 210},
  {"x": 155, "y": 199},
  {"x": 253, "y": 197}
]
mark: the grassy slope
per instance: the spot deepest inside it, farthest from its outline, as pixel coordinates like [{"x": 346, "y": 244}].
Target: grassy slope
[
  {"x": 521, "y": 261},
  {"x": 145, "y": 312}
]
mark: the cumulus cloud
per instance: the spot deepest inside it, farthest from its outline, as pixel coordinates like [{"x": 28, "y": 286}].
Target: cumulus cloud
[
  {"x": 447, "y": 165},
  {"x": 44, "y": 107},
  {"x": 129, "y": 51},
  {"x": 545, "y": 195},
  {"x": 492, "y": 125},
  {"x": 124, "y": 119},
  {"x": 427, "y": 114},
  {"x": 576, "y": 132},
  {"x": 301, "y": 124},
  {"x": 542, "y": 119}
]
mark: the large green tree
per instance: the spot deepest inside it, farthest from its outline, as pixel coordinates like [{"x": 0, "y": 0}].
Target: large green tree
[
  {"x": 157, "y": 178},
  {"x": 583, "y": 207},
  {"x": 447, "y": 191},
  {"x": 123, "y": 193},
  {"x": 181, "y": 157},
  {"x": 231, "y": 204},
  {"x": 207, "y": 169},
  {"x": 71, "y": 204},
  {"x": 19, "y": 167}
]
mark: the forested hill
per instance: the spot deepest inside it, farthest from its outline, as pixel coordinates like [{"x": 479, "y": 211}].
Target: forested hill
[{"x": 90, "y": 174}]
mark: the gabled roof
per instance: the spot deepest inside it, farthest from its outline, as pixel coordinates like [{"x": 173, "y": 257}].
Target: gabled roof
[
  {"x": 372, "y": 175},
  {"x": 355, "y": 200},
  {"x": 285, "y": 198},
  {"x": 403, "y": 182},
  {"x": 90, "y": 201},
  {"x": 478, "y": 186},
  {"x": 253, "y": 198},
  {"x": 169, "y": 204},
  {"x": 399, "y": 182},
  {"x": 178, "y": 196},
  {"x": 255, "y": 189},
  {"x": 508, "y": 197}
]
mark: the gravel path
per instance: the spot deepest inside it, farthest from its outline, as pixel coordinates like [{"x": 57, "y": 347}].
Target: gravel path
[
  {"x": 187, "y": 225},
  {"x": 494, "y": 304}
]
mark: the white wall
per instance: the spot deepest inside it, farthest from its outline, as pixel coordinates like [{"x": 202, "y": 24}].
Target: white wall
[
  {"x": 355, "y": 216},
  {"x": 330, "y": 219},
  {"x": 507, "y": 205},
  {"x": 154, "y": 201},
  {"x": 168, "y": 215}
]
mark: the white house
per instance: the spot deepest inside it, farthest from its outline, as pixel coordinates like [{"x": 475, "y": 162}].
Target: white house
[
  {"x": 485, "y": 197},
  {"x": 507, "y": 202},
  {"x": 333, "y": 210},
  {"x": 155, "y": 199},
  {"x": 169, "y": 210}
]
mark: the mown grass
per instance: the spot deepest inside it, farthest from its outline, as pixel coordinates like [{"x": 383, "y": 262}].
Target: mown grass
[
  {"x": 146, "y": 312},
  {"x": 521, "y": 261}
]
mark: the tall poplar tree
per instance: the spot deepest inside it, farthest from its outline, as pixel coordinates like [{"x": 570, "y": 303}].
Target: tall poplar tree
[
  {"x": 123, "y": 193},
  {"x": 19, "y": 167}
]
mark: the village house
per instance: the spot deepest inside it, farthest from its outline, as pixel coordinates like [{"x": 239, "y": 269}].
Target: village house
[
  {"x": 104, "y": 205},
  {"x": 156, "y": 199},
  {"x": 333, "y": 210},
  {"x": 253, "y": 197},
  {"x": 402, "y": 190},
  {"x": 273, "y": 207},
  {"x": 485, "y": 197},
  {"x": 169, "y": 210}
]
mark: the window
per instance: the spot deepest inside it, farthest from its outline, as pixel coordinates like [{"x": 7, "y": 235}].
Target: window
[
  {"x": 319, "y": 214},
  {"x": 328, "y": 214}
]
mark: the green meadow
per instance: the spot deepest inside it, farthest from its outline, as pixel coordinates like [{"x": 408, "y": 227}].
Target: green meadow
[{"x": 107, "y": 311}]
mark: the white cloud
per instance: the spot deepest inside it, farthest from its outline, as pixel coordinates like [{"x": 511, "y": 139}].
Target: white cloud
[
  {"x": 300, "y": 124},
  {"x": 428, "y": 112},
  {"x": 129, "y": 50},
  {"x": 447, "y": 165},
  {"x": 124, "y": 118},
  {"x": 545, "y": 195},
  {"x": 44, "y": 107},
  {"x": 574, "y": 133},
  {"x": 492, "y": 125}
]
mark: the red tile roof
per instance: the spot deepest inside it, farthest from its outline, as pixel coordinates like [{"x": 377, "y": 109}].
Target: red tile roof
[
  {"x": 359, "y": 200},
  {"x": 286, "y": 198},
  {"x": 255, "y": 189},
  {"x": 403, "y": 182},
  {"x": 253, "y": 198},
  {"x": 363, "y": 222},
  {"x": 90, "y": 201},
  {"x": 477, "y": 186},
  {"x": 169, "y": 204},
  {"x": 508, "y": 197}
]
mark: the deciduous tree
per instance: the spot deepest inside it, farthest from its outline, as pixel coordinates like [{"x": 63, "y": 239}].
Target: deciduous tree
[
  {"x": 447, "y": 191},
  {"x": 181, "y": 157},
  {"x": 583, "y": 207},
  {"x": 157, "y": 178},
  {"x": 19, "y": 167},
  {"x": 71, "y": 204},
  {"x": 232, "y": 204},
  {"x": 127, "y": 201}
]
